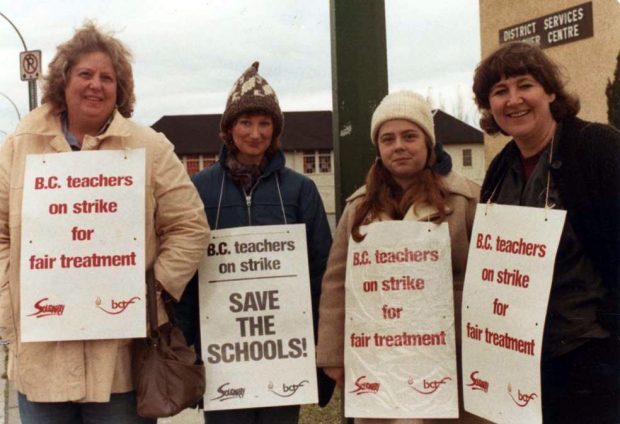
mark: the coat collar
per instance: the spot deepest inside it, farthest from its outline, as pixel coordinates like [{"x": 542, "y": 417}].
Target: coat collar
[
  {"x": 276, "y": 163},
  {"x": 45, "y": 121},
  {"x": 454, "y": 183}
]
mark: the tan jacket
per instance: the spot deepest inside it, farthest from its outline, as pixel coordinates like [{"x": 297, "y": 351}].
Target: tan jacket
[
  {"x": 176, "y": 233},
  {"x": 461, "y": 207}
]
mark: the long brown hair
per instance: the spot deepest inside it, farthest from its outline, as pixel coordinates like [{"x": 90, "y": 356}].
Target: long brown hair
[{"x": 385, "y": 196}]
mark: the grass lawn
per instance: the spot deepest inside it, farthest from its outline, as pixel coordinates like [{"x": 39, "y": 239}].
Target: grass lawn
[{"x": 331, "y": 414}]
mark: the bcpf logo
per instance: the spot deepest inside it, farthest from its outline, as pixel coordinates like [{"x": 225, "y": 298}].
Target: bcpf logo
[
  {"x": 229, "y": 393},
  {"x": 522, "y": 398},
  {"x": 44, "y": 310},
  {"x": 428, "y": 386},
  {"x": 117, "y": 306},
  {"x": 363, "y": 387},
  {"x": 478, "y": 383},
  {"x": 288, "y": 390}
]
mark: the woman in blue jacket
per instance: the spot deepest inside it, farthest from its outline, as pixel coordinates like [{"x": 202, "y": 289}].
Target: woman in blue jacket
[{"x": 250, "y": 185}]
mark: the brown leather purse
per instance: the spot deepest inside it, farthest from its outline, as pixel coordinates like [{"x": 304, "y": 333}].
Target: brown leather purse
[{"x": 168, "y": 375}]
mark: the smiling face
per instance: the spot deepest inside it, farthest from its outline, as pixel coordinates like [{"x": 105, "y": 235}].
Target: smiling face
[
  {"x": 520, "y": 106},
  {"x": 91, "y": 91},
  {"x": 252, "y": 136},
  {"x": 403, "y": 150}
]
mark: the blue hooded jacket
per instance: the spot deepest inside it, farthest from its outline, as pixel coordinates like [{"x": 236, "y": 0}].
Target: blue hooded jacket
[{"x": 279, "y": 192}]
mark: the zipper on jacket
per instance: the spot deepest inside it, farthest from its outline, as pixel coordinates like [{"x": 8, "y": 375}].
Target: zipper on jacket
[
  {"x": 248, "y": 202},
  {"x": 248, "y": 198}
]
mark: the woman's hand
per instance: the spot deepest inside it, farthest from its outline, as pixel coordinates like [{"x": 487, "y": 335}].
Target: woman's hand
[{"x": 336, "y": 374}]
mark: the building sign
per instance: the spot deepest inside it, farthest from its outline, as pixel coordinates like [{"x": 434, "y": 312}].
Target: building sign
[{"x": 558, "y": 28}]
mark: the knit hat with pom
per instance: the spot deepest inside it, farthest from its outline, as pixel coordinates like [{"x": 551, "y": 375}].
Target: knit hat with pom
[{"x": 252, "y": 93}]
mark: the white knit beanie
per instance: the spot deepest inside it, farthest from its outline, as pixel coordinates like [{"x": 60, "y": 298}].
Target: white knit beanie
[{"x": 403, "y": 105}]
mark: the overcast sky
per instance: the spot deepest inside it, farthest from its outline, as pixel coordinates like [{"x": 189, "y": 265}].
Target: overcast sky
[{"x": 187, "y": 54}]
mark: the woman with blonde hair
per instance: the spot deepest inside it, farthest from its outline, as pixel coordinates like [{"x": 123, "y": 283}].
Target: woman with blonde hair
[
  {"x": 88, "y": 98},
  {"x": 408, "y": 181}
]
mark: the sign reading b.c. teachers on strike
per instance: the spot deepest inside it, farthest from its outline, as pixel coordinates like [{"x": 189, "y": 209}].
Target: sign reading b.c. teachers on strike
[
  {"x": 400, "y": 355},
  {"x": 507, "y": 285},
  {"x": 82, "y": 246},
  {"x": 256, "y": 318}
]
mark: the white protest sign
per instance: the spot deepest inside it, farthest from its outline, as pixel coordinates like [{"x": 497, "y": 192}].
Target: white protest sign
[
  {"x": 400, "y": 359},
  {"x": 256, "y": 318},
  {"x": 82, "y": 246},
  {"x": 507, "y": 284}
]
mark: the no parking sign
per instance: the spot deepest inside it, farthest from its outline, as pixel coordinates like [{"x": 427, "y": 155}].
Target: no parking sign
[{"x": 30, "y": 65}]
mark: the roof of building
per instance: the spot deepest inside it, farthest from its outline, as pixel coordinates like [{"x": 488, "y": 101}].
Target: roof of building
[
  {"x": 198, "y": 134},
  {"x": 451, "y": 130},
  {"x": 312, "y": 130}
]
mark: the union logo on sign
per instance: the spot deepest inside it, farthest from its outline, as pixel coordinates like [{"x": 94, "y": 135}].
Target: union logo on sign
[
  {"x": 428, "y": 386},
  {"x": 44, "y": 309},
  {"x": 362, "y": 387},
  {"x": 117, "y": 306}
]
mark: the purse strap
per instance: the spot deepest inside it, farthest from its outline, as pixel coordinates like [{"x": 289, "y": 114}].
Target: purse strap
[{"x": 151, "y": 306}]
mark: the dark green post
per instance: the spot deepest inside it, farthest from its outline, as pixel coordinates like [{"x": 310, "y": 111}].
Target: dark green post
[{"x": 359, "y": 82}]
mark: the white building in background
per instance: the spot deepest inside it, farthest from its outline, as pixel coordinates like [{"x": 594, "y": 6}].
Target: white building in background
[
  {"x": 307, "y": 143},
  {"x": 464, "y": 143}
]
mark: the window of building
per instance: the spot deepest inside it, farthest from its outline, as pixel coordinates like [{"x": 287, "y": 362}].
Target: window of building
[
  {"x": 309, "y": 163},
  {"x": 467, "y": 160},
  {"x": 208, "y": 160},
  {"x": 192, "y": 164},
  {"x": 325, "y": 161}
]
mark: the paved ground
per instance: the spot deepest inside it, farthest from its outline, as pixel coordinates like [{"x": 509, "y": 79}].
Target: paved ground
[
  {"x": 12, "y": 414},
  {"x": 3, "y": 388},
  {"x": 189, "y": 416}
]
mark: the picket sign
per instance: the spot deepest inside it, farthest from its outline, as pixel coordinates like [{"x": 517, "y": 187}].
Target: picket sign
[
  {"x": 400, "y": 359},
  {"x": 82, "y": 246},
  {"x": 507, "y": 284},
  {"x": 256, "y": 318}
]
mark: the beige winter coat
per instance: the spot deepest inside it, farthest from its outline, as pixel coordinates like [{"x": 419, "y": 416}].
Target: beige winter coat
[
  {"x": 176, "y": 232},
  {"x": 461, "y": 207}
]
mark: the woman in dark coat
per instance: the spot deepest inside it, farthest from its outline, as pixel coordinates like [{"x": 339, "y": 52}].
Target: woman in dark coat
[{"x": 558, "y": 159}]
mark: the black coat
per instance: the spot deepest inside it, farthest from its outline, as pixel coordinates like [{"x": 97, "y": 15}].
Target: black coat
[{"x": 586, "y": 171}]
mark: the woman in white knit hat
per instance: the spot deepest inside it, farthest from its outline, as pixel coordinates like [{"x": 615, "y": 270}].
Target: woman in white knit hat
[{"x": 406, "y": 182}]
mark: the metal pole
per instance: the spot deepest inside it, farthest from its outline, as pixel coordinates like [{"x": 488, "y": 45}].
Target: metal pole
[
  {"x": 32, "y": 93},
  {"x": 13, "y": 103},
  {"x": 32, "y": 84},
  {"x": 16, "y": 30}
]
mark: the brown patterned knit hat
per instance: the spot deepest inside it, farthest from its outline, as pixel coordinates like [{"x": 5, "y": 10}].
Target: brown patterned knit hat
[{"x": 252, "y": 93}]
